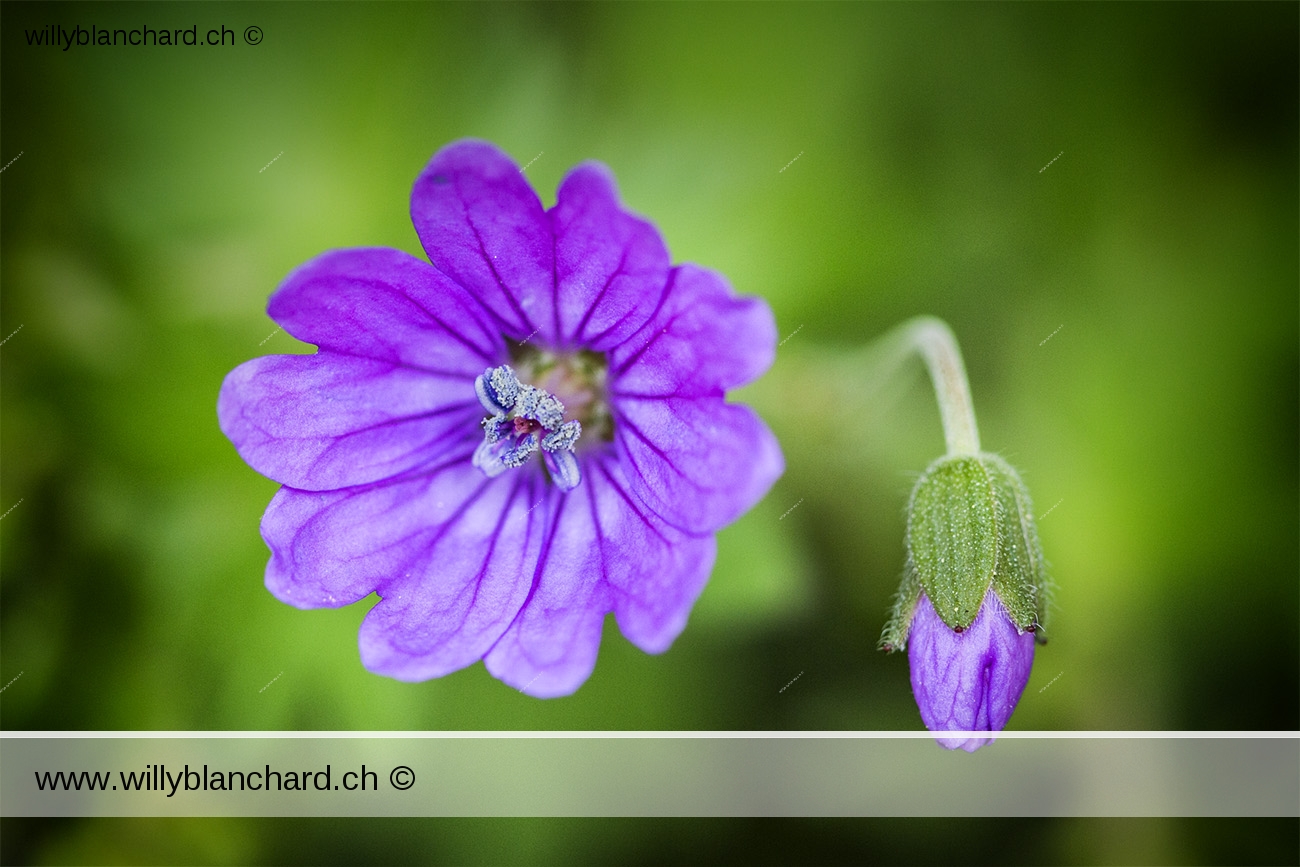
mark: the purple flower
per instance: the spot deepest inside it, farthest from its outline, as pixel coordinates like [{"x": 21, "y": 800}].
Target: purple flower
[
  {"x": 509, "y": 441},
  {"x": 968, "y": 680}
]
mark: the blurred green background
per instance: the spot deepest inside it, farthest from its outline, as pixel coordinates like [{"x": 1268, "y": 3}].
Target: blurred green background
[{"x": 1101, "y": 200}]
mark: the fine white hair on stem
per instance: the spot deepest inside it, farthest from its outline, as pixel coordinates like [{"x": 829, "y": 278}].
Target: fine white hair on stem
[{"x": 933, "y": 340}]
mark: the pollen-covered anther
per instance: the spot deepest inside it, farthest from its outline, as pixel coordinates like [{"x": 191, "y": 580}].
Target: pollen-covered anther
[
  {"x": 565, "y": 438},
  {"x": 524, "y": 420}
]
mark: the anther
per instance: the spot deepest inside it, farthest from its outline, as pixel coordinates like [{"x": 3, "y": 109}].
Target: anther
[{"x": 523, "y": 420}]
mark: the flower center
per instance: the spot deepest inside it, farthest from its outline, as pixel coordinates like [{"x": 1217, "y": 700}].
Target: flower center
[
  {"x": 577, "y": 379},
  {"x": 525, "y": 419}
]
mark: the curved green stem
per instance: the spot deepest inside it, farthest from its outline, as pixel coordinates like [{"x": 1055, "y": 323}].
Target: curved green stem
[
  {"x": 813, "y": 383},
  {"x": 933, "y": 340}
]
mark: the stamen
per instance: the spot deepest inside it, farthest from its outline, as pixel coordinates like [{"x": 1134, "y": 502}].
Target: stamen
[
  {"x": 524, "y": 420},
  {"x": 564, "y": 470},
  {"x": 497, "y": 389},
  {"x": 563, "y": 439}
]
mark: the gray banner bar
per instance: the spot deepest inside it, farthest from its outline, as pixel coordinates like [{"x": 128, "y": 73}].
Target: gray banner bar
[{"x": 647, "y": 774}]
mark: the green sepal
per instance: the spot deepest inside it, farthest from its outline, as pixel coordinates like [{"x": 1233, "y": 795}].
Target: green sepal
[
  {"x": 894, "y": 635},
  {"x": 970, "y": 526},
  {"x": 1020, "y": 578}
]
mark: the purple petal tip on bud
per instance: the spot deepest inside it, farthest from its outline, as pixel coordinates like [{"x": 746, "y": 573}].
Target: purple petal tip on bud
[{"x": 968, "y": 681}]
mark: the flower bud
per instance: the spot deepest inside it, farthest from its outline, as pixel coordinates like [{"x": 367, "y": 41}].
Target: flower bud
[
  {"x": 972, "y": 595},
  {"x": 970, "y": 680}
]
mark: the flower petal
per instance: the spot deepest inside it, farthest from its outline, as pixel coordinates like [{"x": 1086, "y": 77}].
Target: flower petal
[
  {"x": 550, "y": 648},
  {"x": 326, "y": 421},
  {"x": 611, "y": 267},
  {"x": 390, "y": 389},
  {"x": 465, "y": 588},
  {"x": 972, "y": 680},
  {"x": 451, "y": 553},
  {"x": 697, "y": 463},
  {"x": 703, "y": 340},
  {"x": 483, "y": 226},
  {"x": 656, "y": 572},
  {"x": 380, "y": 303},
  {"x": 603, "y": 552}
]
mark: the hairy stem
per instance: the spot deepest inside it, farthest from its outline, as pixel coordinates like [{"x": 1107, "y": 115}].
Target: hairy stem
[
  {"x": 933, "y": 340},
  {"x": 808, "y": 382}
]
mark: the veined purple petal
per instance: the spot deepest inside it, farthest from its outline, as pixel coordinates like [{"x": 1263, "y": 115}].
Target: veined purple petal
[
  {"x": 550, "y": 648},
  {"x": 602, "y": 553},
  {"x": 611, "y": 267},
  {"x": 703, "y": 340},
  {"x": 693, "y": 459},
  {"x": 483, "y": 226},
  {"x": 390, "y": 388},
  {"x": 325, "y": 421},
  {"x": 451, "y": 553},
  {"x": 968, "y": 681},
  {"x": 468, "y": 587},
  {"x": 655, "y": 571},
  {"x": 384, "y": 304},
  {"x": 331, "y": 548},
  {"x": 697, "y": 463}
]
